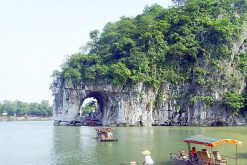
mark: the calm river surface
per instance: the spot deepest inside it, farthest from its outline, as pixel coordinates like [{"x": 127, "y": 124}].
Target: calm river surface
[{"x": 41, "y": 143}]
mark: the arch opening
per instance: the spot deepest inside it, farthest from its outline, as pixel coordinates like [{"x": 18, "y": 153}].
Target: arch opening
[
  {"x": 91, "y": 111},
  {"x": 219, "y": 123}
]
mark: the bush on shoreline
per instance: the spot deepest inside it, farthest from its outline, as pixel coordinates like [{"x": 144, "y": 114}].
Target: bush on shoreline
[{"x": 23, "y": 109}]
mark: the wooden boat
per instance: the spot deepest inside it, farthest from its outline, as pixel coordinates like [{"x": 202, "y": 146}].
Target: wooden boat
[
  {"x": 105, "y": 134},
  {"x": 181, "y": 159},
  {"x": 203, "y": 157},
  {"x": 108, "y": 140}
]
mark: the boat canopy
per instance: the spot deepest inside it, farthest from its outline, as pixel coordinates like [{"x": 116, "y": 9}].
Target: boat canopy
[
  {"x": 209, "y": 141},
  {"x": 104, "y": 129}
]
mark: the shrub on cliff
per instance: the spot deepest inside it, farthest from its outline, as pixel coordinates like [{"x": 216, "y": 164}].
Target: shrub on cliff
[{"x": 159, "y": 40}]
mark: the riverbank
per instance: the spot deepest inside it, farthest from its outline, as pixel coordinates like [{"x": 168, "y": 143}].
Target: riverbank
[{"x": 24, "y": 118}]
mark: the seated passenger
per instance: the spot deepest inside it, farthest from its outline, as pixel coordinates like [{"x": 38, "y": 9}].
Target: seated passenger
[
  {"x": 193, "y": 152},
  {"x": 183, "y": 155},
  {"x": 207, "y": 158},
  {"x": 205, "y": 151},
  {"x": 102, "y": 136},
  {"x": 109, "y": 135}
]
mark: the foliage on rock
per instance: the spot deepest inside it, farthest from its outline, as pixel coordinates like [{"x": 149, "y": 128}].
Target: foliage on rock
[{"x": 188, "y": 42}]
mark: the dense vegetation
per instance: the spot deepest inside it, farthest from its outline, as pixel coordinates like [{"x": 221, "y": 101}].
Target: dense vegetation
[
  {"x": 89, "y": 107},
  {"x": 183, "y": 43},
  {"x": 18, "y": 108}
]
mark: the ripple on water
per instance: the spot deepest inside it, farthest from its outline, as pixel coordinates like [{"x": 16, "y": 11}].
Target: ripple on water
[{"x": 42, "y": 143}]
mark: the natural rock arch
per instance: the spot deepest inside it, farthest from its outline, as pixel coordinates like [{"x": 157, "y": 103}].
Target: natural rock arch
[
  {"x": 119, "y": 105},
  {"x": 137, "y": 104},
  {"x": 98, "y": 114}
]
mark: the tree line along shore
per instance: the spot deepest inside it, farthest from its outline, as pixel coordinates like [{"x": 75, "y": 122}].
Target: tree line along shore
[{"x": 18, "y": 110}]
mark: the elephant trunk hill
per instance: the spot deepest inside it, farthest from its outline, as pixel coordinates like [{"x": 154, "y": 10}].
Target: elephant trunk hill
[{"x": 183, "y": 65}]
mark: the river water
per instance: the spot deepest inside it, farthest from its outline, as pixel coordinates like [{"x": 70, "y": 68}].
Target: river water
[{"x": 41, "y": 143}]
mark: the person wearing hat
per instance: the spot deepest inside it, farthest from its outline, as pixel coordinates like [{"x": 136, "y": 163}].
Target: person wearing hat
[{"x": 147, "y": 159}]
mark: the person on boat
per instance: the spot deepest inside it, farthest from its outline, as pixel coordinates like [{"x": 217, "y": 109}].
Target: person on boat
[
  {"x": 98, "y": 132},
  {"x": 193, "y": 153},
  {"x": 147, "y": 159},
  {"x": 109, "y": 135},
  {"x": 102, "y": 136},
  {"x": 205, "y": 151},
  {"x": 183, "y": 155}
]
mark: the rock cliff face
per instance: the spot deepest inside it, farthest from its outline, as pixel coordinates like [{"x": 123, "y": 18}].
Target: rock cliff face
[
  {"x": 117, "y": 105},
  {"x": 140, "y": 105}
]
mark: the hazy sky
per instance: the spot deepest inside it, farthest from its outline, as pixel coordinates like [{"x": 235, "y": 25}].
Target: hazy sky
[{"x": 37, "y": 35}]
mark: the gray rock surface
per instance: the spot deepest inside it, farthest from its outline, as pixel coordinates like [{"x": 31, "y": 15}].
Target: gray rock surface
[{"x": 135, "y": 105}]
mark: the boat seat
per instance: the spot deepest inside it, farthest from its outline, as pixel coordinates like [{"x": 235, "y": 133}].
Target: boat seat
[
  {"x": 207, "y": 158},
  {"x": 219, "y": 159},
  {"x": 204, "y": 158},
  {"x": 199, "y": 154}
]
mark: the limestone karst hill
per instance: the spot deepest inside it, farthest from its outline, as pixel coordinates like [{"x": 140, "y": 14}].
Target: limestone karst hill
[{"x": 185, "y": 65}]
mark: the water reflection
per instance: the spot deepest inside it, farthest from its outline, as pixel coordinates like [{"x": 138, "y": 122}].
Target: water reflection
[
  {"x": 79, "y": 146},
  {"x": 73, "y": 146},
  {"x": 41, "y": 143}
]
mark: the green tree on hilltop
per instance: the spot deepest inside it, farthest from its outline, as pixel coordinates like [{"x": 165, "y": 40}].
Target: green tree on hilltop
[{"x": 180, "y": 44}]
